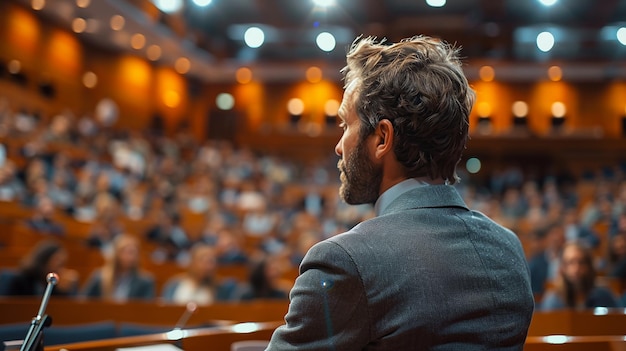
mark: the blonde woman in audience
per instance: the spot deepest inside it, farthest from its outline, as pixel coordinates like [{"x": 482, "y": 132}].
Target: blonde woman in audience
[
  {"x": 575, "y": 286},
  {"x": 198, "y": 284},
  {"x": 121, "y": 278}
]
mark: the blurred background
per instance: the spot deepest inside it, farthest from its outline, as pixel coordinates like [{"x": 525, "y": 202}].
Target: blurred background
[{"x": 181, "y": 122}]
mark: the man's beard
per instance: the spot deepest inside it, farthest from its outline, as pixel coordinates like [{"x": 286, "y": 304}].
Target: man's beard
[{"x": 360, "y": 178}]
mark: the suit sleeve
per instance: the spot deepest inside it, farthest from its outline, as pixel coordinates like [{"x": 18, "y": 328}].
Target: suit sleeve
[{"x": 328, "y": 308}]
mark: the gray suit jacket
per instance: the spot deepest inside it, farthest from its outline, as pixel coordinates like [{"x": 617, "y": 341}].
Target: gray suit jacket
[{"x": 427, "y": 274}]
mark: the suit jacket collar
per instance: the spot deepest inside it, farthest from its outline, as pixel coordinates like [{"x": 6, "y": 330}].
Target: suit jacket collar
[{"x": 432, "y": 196}]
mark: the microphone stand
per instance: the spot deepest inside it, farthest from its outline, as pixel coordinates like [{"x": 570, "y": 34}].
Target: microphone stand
[{"x": 34, "y": 338}]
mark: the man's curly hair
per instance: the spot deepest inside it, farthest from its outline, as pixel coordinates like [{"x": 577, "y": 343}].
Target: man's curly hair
[{"x": 419, "y": 86}]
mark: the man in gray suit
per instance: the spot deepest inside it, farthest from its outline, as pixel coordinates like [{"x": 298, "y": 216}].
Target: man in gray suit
[{"x": 426, "y": 273}]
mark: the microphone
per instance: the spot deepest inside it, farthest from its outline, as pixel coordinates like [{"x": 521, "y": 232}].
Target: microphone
[
  {"x": 34, "y": 338},
  {"x": 52, "y": 279},
  {"x": 189, "y": 310}
]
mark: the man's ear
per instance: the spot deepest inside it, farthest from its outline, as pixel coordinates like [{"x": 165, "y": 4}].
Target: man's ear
[{"x": 384, "y": 138}]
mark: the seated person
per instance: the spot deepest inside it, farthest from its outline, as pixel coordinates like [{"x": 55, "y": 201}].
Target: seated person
[
  {"x": 47, "y": 256},
  {"x": 42, "y": 220},
  {"x": 198, "y": 284},
  {"x": 575, "y": 286},
  {"x": 121, "y": 278},
  {"x": 265, "y": 280}
]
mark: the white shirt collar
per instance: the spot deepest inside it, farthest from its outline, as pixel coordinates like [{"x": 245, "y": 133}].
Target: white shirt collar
[{"x": 392, "y": 193}]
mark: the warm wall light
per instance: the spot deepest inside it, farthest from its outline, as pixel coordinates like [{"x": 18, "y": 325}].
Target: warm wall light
[
  {"x": 153, "y": 52},
  {"x": 295, "y": 107},
  {"x": 483, "y": 109},
  {"x": 182, "y": 65},
  {"x": 520, "y": 112},
  {"x": 314, "y": 74},
  {"x": 117, "y": 22},
  {"x": 171, "y": 98},
  {"x": 555, "y": 73},
  {"x": 487, "y": 73},
  {"x": 331, "y": 107},
  {"x": 243, "y": 75},
  {"x": 558, "y": 114},
  {"x": 83, "y": 3}
]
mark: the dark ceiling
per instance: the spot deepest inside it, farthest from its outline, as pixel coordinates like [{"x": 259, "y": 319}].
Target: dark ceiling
[{"x": 496, "y": 31}]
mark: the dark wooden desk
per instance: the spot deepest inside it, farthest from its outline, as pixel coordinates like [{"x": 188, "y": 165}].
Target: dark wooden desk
[
  {"x": 214, "y": 339},
  {"x": 71, "y": 312}
]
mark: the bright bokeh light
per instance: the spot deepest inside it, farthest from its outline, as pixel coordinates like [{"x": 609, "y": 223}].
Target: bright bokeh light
[
  {"x": 117, "y": 22},
  {"x": 324, "y": 3},
  {"x": 436, "y": 3},
  {"x": 326, "y": 41},
  {"x": 473, "y": 165},
  {"x": 168, "y": 6},
  {"x": 519, "y": 109},
  {"x": 83, "y": 3},
  {"x": 202, "y": 3},
  {"x": 621, "y": 35},
  {"x": 314, "y": 74},
  {"x": 483, "y": 109},
  {"x": 555, "y": 73},
  {"x": 225, "y": 101},
  {"x": 171, "y": 98},
  {"x": 558, "y": 109},
  {"x": 548, "y": 2},
  {"x": 487, "y": 73},
  {"x": 90, "y": 79},
  {"x": 153, "y": 52},
  {"x": 79, "y": 25},
  {"x": 254, "y": 37},
  {"x": 182, "y": 65},
  {"x": 38, "y": 4},
  {"x": 556, "y": 339},
  {"x": 14, "y": 66},
  {"x": 243, "y": 75},
  {"x": 545, "y": 41},
  {"x": 137, "y": 41},
  {"x": 331, "y": 107},
  {"x": 295, "y": 106}
]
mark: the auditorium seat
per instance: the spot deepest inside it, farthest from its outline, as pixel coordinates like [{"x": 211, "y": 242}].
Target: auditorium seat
[
  {"x": 16, "y": 331},
  {"x": 6, "y": 275},
  {"x": 55, "y": 335}
]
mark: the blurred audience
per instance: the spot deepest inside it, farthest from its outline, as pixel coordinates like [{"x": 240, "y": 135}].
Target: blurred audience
[
  {"x": 199, "y": 284},
  {"x": 42, "y": 220},
  {"x": 121, "y": 278},
  {"x": 265, "y": 279},
  {"x": 576, "y": 287},
  {"x": 48, "y": 256}
]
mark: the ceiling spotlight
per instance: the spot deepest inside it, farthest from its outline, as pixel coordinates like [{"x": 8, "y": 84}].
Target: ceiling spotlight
[
  {"x": 324, "y": 3},
  {"x": 168, "y": 6},
  {"x": 548, "y": 2},
  {"x": 202, "y": 3},
  {"x": 436, "y": 3},
  {"x": 254, "y": 37},
  {"x": 621, "y": 35},
  {"x": 326, "y": 41},
  {"x": 545, "y": 41}
]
